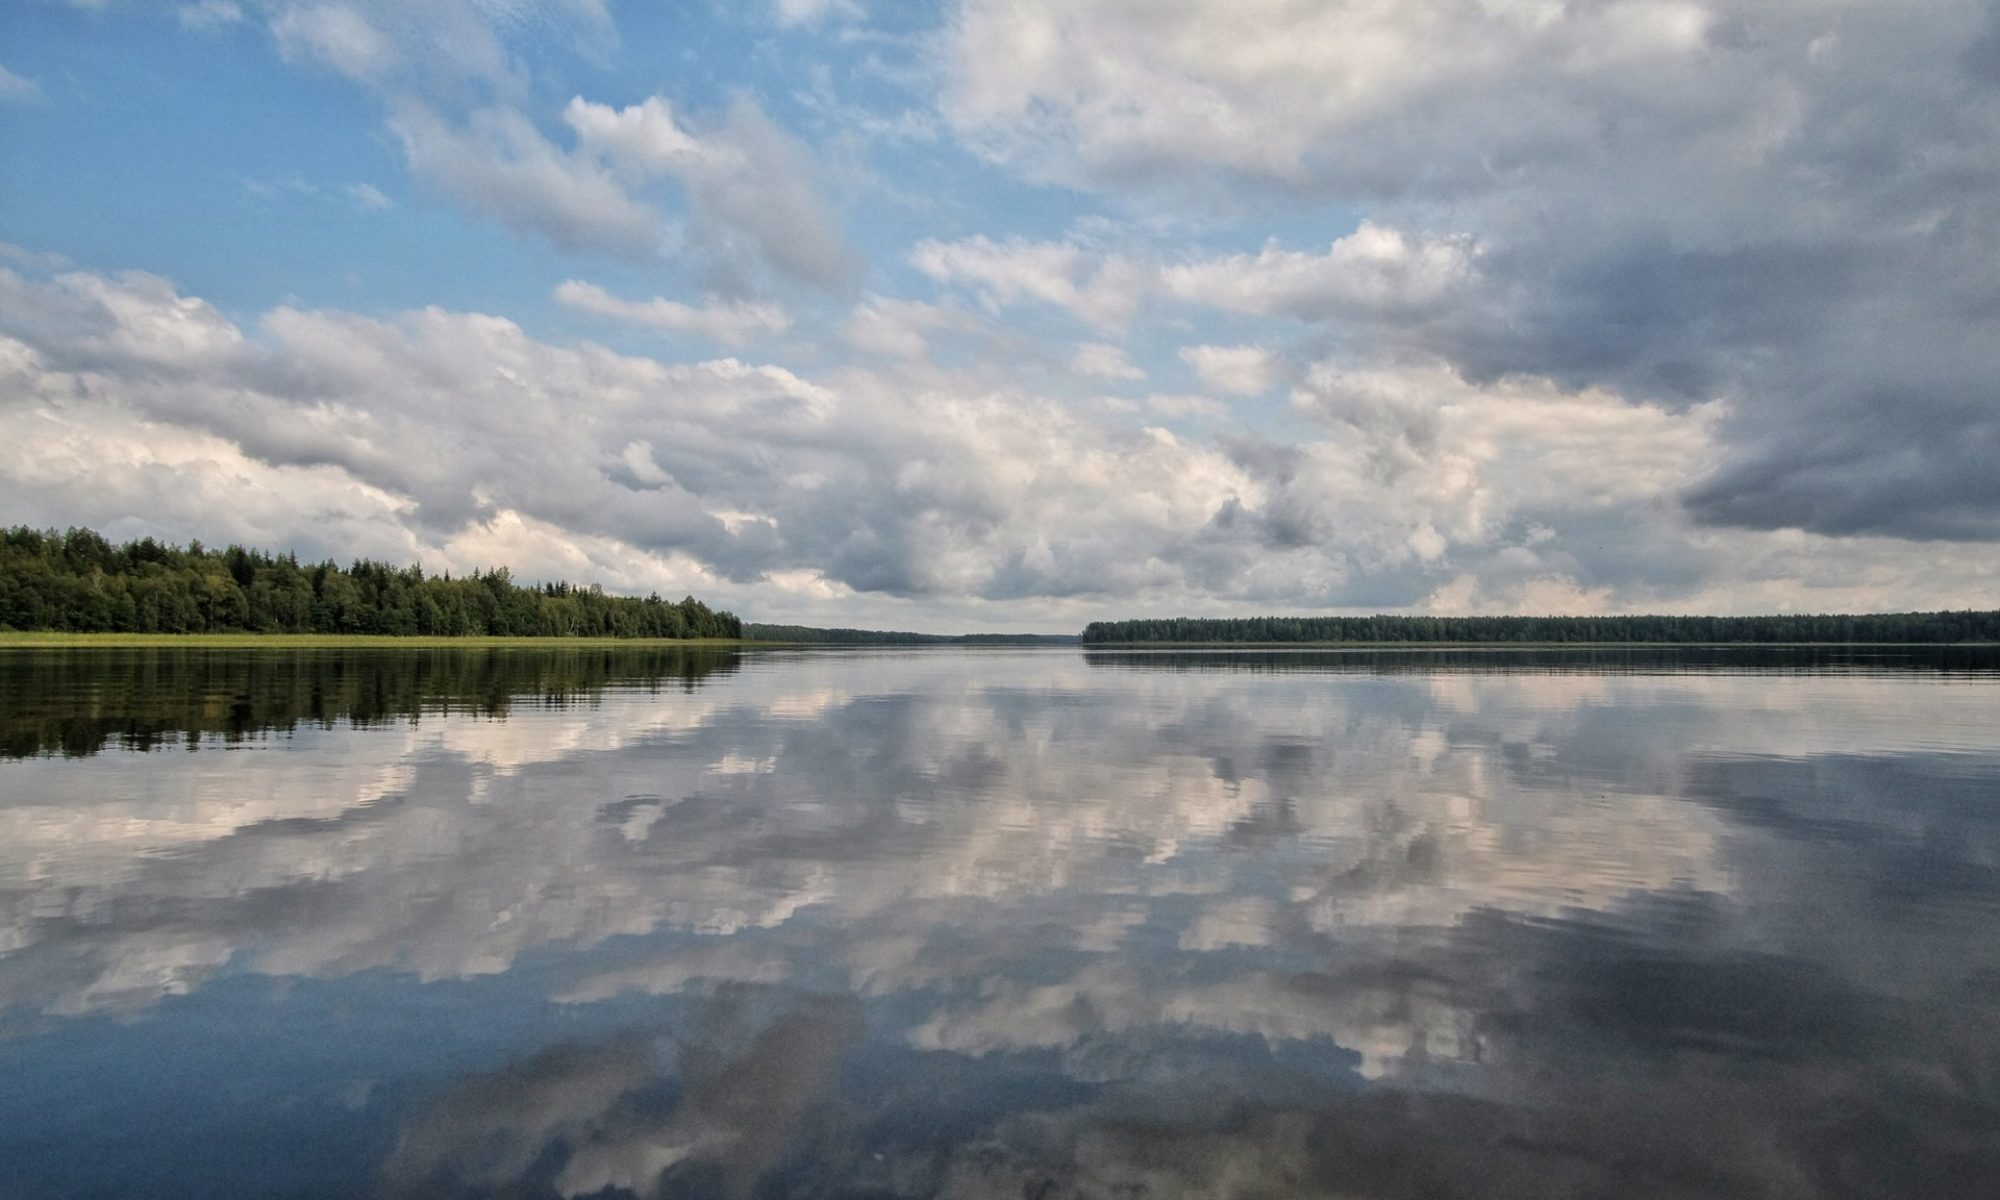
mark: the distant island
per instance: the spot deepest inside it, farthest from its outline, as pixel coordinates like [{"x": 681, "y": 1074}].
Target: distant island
[
  {"x": 79, "y": 582},
  {"x": 1910, "y": 627}
]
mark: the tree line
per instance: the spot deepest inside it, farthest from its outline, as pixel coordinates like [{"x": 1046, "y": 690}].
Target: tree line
[
  {"x": 79, "y": 582},
  {"x": 1912, "y": 627}
]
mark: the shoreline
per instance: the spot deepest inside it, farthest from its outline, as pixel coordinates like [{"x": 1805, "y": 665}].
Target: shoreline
[
  {"x": 1134, "y": 646},
  {"x": 34, "y": 639}
]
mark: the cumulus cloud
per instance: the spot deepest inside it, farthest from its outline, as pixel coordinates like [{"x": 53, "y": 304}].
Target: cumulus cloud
[
  {"x": 500, "y": 165},
  {"x": 1374, "y": 272},
  {"x": 459, "y": 103},
  {"x": 459, "y": 439},
  {"x": 753, "y": 207},
  {"x": 1304, "y": 93},
  {"x": 1239, "y": 370},
  {"x": 1101, "y": 360},
  {"x": 751, "y": 469},
  {"x": 898, "y": 328},
  {"x": 1376, "y": 275},
  {"x": 734, "y": 323},
  {"x": 133, "y": 317},
  {"x": 339, "y": 36},
  {"x": 1789, "y": 207},
  {"x": 749, "y": 183},
  {"x": 1102, "y": 290}
]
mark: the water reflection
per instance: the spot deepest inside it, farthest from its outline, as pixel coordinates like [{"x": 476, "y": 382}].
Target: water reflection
[
  {"x": 76, "y": 701},
  {"x": 1012, "y": 923}
]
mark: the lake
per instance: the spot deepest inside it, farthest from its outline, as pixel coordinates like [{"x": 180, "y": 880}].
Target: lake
[{"x": 999, "y": 923}]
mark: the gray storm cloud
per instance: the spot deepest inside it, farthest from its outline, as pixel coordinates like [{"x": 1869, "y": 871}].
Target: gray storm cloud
[{"x": 1790, "y": 207}]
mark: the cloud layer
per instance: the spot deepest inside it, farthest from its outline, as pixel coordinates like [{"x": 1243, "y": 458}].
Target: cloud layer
[
  {"x": 1788, "y": 207},
  {"x": 1062, "y": 310}
]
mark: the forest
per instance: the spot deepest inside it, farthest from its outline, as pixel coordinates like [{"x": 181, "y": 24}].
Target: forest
[
  {"x": 1914, "y": 627},
  {"x": 78, "y": 582}
]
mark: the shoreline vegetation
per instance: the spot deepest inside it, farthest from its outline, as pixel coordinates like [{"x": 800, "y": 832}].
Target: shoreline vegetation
[
  {"x": 58, "y": 640},
  {"x": 1815, "y": 629},
  {"x": 77, "y": 589},
  {"x": 77, "y": 582},
  {"x": 35, "y": 639}
]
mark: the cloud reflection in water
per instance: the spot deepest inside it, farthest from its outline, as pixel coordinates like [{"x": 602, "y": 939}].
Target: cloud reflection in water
[{"x": 1022, "y": 923}]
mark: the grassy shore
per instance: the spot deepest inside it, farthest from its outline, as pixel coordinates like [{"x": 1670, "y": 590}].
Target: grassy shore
[{"x": 332, "y": 641}]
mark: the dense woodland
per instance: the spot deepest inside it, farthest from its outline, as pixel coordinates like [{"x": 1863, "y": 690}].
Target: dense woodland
[
  {"x": 1935, "y": 627},
  {"x": 77, "y": 582}
]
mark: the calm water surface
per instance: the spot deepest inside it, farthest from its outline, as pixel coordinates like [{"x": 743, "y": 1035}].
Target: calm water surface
[{"x": 999, "y": 924}]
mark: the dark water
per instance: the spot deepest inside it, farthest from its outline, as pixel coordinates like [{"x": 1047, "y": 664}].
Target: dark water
[{"x": 1616, "y": 923}]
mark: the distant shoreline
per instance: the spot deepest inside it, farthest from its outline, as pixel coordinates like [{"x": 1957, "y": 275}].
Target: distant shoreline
[
  {"x": 37, "y": 639},
  {"x": 1140, "y": 647},
  {"x": 1940, "y": 628}
]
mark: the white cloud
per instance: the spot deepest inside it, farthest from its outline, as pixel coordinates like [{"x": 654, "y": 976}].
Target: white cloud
[
  {"x": 368, "y": 197},
  {"x": 937, "y": 489},
  {"x": 1101, "y": 360},
  {"x": 459, "y": 439},
  {"x": 148, "y": 476},
  {"x": 1177, "y": 406},
  {"x": 732, "y": 323},
  {"x": 1303, "y": 93},
  {"x": 897, "y": 328},
  {"x": 441, "y": 50},
  {"x": 750, "y": 185},
  {"x": 130, "y": 318},
  {"x": 18, "y": 87},
  {"x": 1788, "y": 205},
  {"x": 209, "y": 14},
  {"x": 1374, "y": 271},
  {"x": 1103, "y": 290},
  {"x": 339, "y": 36},
  {"x": 1239, "y": 370},
  {"x": 38, "y": 260},
  {"x": 645, "y": 134},
  {"x": 1375, "y": 274},
  {"x": 807, "y": 12},
  {"x": 499, "y": 164}
]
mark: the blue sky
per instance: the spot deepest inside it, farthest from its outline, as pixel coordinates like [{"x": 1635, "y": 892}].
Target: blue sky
[{"x": 985, "y": 315}]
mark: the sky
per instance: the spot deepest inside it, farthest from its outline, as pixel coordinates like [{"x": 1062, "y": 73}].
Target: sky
[{"x": 1017, "y": 314}]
